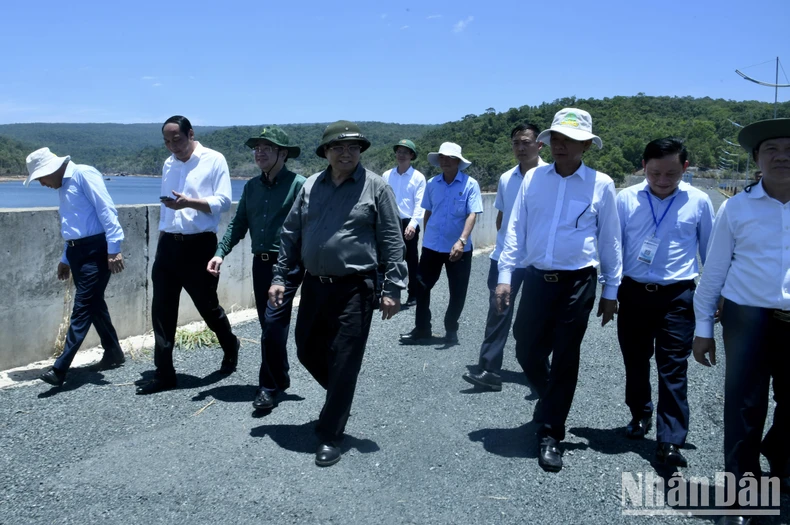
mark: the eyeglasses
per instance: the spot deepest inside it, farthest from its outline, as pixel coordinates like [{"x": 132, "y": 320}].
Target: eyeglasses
[
  {"x": 353, "y": 149},
  {"x": 265, "y": 149}
]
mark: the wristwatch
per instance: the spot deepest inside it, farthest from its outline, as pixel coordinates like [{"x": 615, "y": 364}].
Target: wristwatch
[{"x": 463, "y": 241}]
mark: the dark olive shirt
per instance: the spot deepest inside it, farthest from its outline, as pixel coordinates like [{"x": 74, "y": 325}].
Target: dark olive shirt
[
  {"x": 262, "y": 210},
  {"x": 340, "y": 230}
]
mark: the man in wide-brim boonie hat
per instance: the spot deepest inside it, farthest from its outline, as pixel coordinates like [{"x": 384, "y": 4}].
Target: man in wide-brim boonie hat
[
  {"x": 449, "y": 149},
  {"x": 43, "y": 162},
  {"x": 278, "y": 137},
  {"x": 755, "y": 134},
  {"x": 573, "y": 123},
  {"x": 341, "y": 131}
]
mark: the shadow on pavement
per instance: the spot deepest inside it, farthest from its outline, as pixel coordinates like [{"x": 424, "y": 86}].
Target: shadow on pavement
[
  {"x": 520, "y": 442},
  {"x": 75, "y": 378},
  {"x": 302, "y": 438},
  {"x": 185, "y": 381}
]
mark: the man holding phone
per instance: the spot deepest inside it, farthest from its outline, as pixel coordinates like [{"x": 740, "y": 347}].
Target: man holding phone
[{"x": 195, "y": 192}]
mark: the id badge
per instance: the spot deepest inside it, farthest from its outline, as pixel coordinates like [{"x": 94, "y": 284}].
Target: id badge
[{"x": 648, "y": 251}]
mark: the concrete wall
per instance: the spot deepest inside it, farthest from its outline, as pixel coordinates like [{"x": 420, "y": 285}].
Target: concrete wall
[{"x": 35, "y": 306}]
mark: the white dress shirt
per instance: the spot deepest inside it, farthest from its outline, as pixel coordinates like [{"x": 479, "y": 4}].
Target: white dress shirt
[
  {"x": 409, "y": 188},
  {"x": 685, "y": 220},
  {"x": 204, "y": 176},
  {"x": 748, "y": 257},
  {"x": 557, "y": 221},
  {"x": 87, "y": 209},
  {"x": 506, "y": 194}
]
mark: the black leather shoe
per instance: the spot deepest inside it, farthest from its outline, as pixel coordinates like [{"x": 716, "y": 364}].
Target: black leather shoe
[
  {"x": 734, "y": 520},
  {"x": 550, "y": 457},
  {"x": 107, "y": 363},
  {"x": 668, "y": 454},
  {"x": 638, "y": 428},
  {"x": 158, "y": 384},
  {"x": 485, "y": 379},
  {"x": 416, "y": 337},
  {"x": 230, "y": 360},
  {"x": 411, "y": 301},
  {"x": 54, "y": 377},
  {"x": 263, "y": 400},
  {"x": 327, "y": 455},
  {"x": 451, "y": 338}
]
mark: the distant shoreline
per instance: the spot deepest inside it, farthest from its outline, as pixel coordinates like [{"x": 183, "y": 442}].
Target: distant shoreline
[{"x": 21, "y": 178}]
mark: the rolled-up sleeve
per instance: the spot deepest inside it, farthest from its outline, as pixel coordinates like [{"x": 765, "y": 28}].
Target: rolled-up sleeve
[
  {"x": 223, "y": 193},
  {"x": 389, "y": 240},
  {"x": 475, "y": 199}
]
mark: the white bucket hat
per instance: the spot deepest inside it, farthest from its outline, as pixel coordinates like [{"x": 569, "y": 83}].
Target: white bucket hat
[
  {"x": 43, "y": 162},
  {"x": 573, "y": 123},
  {"x": 449, "y": 149}
]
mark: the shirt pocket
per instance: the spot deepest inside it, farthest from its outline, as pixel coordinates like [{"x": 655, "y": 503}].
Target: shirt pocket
[
  {"x": 580, "y": 214},
  {"x": 685, "y": 230},
  {"x": 459, "y": 207},
  {"x": 361, "y": 214}
]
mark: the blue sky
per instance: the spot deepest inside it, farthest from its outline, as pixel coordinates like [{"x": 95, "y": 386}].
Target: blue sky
[{"x": 228, "y": 62}]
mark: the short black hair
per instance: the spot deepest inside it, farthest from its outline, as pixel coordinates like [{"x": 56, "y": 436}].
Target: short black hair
[
  {"x": 521, "y": 128},
  {"x": 660, "y": 148},
  {"x": 184, "y": 125}
]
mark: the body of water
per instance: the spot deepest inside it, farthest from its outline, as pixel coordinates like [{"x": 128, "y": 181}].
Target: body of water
[{"x": 123, "y": 190}]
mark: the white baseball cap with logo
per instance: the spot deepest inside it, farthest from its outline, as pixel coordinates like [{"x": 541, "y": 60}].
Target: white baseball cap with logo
[
  {"x": 43, "y": 162},
  {"x": 573, "y": 123}
]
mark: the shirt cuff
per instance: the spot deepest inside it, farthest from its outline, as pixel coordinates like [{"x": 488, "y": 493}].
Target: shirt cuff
[
  {"x": 413, "y": 223},
  {"x": 609, "y": 292},
  {"x": 504, "y": 278},
  {"x": 63, "y": 257},
  {"x": 215, "y": 204},
  {"x": 704, "y": 329},
  {"x": 391, "y": 291},
  {"x": 114, "y": 247}
]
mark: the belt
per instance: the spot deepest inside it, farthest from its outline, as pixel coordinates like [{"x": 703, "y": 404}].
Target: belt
[
  {"x": 266, "y": 257},
  {"x": 555, "y": 276},
  {"x": 334, "y": 279},
  {"x": 782, "y": 315},
  {"x": 85, "y": 240},
  {"x": 655, "y": 287},
  {"x": 182, "y": 237}
]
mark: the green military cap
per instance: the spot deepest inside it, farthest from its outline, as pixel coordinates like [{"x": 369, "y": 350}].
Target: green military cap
[
  {"x": 406, "y": 143},
  {"x": 278, "y": 137},
  {"x": 341, "y": 131}
]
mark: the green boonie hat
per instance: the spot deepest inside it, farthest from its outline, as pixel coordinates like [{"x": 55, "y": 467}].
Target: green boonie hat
[
  {"x": 406, "y": 143},
  {"x": 341, "y": 131},
  {"x": 752, "y": 135},
  {"x": 277, "y": 137}
]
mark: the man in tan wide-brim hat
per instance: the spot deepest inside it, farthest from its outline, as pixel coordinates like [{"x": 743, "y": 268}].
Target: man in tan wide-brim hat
[{"x": 748, "y": 265}]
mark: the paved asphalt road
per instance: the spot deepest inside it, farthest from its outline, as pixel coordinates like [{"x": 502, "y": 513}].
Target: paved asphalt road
[{"x": 422, "y": 446}]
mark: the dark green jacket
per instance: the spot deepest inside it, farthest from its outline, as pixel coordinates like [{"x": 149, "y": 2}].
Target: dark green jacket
[{"x": 262, "y": 210}]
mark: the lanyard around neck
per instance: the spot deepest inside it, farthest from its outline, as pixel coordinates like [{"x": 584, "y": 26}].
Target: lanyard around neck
[{"x": 658, "y": 222}]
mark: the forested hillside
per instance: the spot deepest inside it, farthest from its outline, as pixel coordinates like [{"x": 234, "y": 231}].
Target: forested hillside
[
  {"x": 625, "y": 124},
  {"x": 12, "y": 156}
]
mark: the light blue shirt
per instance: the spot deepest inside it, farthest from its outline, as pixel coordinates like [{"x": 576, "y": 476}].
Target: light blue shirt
[
  {"x": 450, "y": 205},
  {"x": 684, "y": 230},
  {"x": 87, "y": 209},
  {"x": 565, "y": 223}
]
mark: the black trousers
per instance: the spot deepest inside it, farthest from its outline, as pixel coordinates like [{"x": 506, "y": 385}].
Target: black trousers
[
  {"x": 275, "y": 322},
  {"x": 412, "y": 258},
  {"x": 757, "y": 350},
  {"x": 661, "y": 320},
  {"x": 332, "y": 329},
  {"x": 551, "y": 320},
  {"x": 458, "y": 272},
  {"x": 180, "y": 263},
  {"x": 91, "y": 273},
  {"x": 498, "y": 324}
]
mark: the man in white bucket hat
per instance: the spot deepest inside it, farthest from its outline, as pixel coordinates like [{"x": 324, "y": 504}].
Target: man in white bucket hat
[
  {"x": 451, "y": 202},
  {"x": 91, "y": 253},
  {"x": 563, "y": 226}
]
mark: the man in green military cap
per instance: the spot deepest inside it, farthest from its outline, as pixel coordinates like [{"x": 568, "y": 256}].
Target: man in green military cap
[
  {"x": 264, "y": 204},
  {"x": 409, "y": 187},
  {"x": 343, "y": 225}
]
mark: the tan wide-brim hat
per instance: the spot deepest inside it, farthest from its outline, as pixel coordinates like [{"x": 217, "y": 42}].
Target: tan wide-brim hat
[
  {"x": 449, "y": 149},
  {"x": 573, "y": 123},
  {"x": 43, "y": 162}
]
